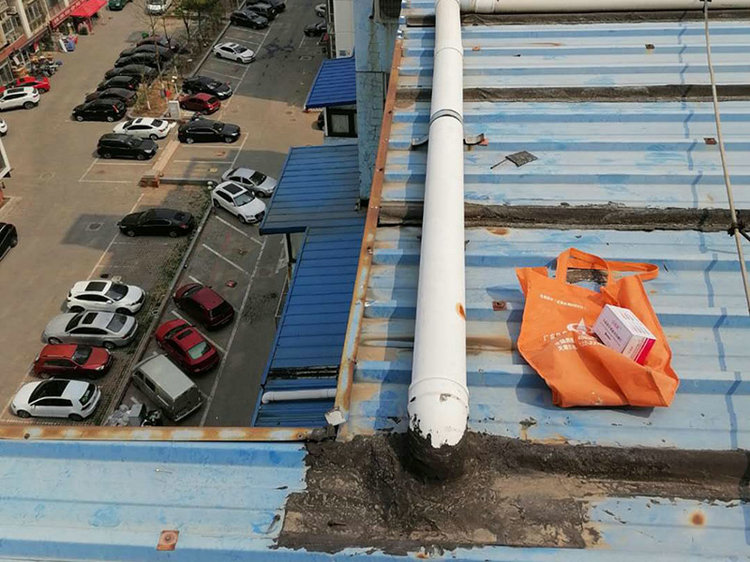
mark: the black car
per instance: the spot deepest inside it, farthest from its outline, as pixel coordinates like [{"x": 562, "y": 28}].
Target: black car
[
  {"x": 164, "y": 52},
  {"x": 114, "y": 145},
  {"x": 162, "y": 41},
  {"x": 205, "y": 130},
  {"x": 126, "y": 82},
  {"x": 206, "y": 85},
  {"x": 247, "y": 18},
  {"x": 124, "y": 95},
  {"x": 278, "y": 5},
  {"x": 157, "y": 222},
  {"x": 8, "y": 238},
  {"x": 263, "y": 9},
  {"x": 103, "y": 109},
  {"x": 316, "y": 29},
  {"x": 146, "y": 59},
  {"x": 140, "y": 70}
]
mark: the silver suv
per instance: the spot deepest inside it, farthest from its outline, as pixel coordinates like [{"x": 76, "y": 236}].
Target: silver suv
[{"x": 13, "y": 98}]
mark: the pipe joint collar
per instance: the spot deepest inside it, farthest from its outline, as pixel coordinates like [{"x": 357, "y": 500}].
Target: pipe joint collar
[{"x": 446, "y": 113}]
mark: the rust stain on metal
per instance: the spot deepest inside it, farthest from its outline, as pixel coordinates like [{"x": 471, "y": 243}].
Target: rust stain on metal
[
  {"x": 698, "y": 518},
  {"x": 650, "y": 46},
  {"x": 476, "y": 344},
  {"x": 547, "y": 44},
  {"x": 168, "y": 540},
  {"x": 709, "y": 140},
  {"x": 356, "y": 311},
  {"x": 499, "y": 305},
  {"x": 500, "y": 231},
  {"x": 461, "y": 311},
  {"x": 476, "y": 48}
]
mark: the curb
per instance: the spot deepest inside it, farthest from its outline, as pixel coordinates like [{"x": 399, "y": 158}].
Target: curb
[
  {"x": 206, "y": 182},
  {"x": 143, "y": 344}
]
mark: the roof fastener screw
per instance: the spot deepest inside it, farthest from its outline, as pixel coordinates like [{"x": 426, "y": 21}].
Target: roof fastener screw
[{"x": 168, "y": 540}]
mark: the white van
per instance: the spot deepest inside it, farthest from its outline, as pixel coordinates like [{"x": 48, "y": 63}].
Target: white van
[
  {"x": 167, "y": 386},
  {"x": 157, "y": 7}
]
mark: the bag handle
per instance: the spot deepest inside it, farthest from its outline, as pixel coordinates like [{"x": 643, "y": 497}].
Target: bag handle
[{"x": 577, "y": 259}]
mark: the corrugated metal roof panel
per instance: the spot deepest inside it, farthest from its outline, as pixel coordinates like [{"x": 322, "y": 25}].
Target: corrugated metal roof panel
[
  {"x": 319, "y": 186},
  {"x": 335, "y": 84},
  {"x": 698, "y": 297},
  {"x": 634, "y": 155},
  {"x": 585, "y": 55}
]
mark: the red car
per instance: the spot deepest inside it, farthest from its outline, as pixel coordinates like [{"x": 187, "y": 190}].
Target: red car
[
  {"x": 41, "y": 83},
  {"x": 204, "y": 304},
  {"x": 187, "y": 347},
  {"x": 64, "y": 360},
  {"x": 202, "y": 103}
]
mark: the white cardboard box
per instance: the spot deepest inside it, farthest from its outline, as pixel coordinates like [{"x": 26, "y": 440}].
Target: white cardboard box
[{"x": 621, "y": 330}]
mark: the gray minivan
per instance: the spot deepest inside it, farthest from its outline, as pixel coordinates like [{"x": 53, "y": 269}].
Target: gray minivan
[{"x": 167, "y": 386}]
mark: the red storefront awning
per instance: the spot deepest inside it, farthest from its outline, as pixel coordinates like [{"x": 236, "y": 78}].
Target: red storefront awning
[{"x": 88, "y": 8}]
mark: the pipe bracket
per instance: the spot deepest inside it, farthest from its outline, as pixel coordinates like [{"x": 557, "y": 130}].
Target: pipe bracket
[{"x": 446, "y": 113}]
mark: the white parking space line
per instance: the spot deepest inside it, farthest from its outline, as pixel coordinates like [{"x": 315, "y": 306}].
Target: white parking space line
[
  {"x": 206, "y": 71},
  {"x": 88, "y": 169},
  {"x": 10, "y": 202},
  {"x": 213, "y": 146},
  {"x": 216, "y": 345},
  {"x": 301, "y": 41},
  {"x": 124, "y": 164},
  {"x": 194, "y": 280},
  {"x": 239, "y": 151},
  {"x": 231, "y": 337},
  {"x": 245, "y": 234},
  {"x": 105, "y": 181},
  {"x": 230, "y": 262},
  {"x": 232, "y": 63},
  {"x": 106, "y": 250},
  {"x": 202, "y": 161}
]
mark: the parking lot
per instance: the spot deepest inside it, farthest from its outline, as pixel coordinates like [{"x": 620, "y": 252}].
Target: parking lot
[{"x": 66, "y": 202}]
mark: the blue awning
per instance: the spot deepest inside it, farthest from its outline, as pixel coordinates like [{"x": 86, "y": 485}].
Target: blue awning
[
  {"x": 318, "y": 187},
  {"x": 335, "y": 84}
]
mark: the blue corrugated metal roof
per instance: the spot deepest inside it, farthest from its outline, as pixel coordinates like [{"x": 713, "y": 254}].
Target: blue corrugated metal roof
[
  {"x": 310, "y": 334},
  {"x": 635, "y": 155},
  {"x": 585, "y": 55},
  {"x": 335, "y": 84},
  {"x": 319, "y": 186}
]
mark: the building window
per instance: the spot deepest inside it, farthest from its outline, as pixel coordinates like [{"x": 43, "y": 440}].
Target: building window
[
  {"x": 387, "y": 10},
  {"x": 341, "y": 122},
  {"x": 36, "y": 14},
  {"x": 12, "y": 28}
]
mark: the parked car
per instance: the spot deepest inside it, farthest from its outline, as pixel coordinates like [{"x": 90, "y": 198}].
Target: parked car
[
  {"x": 8, "y": 238},
  {"x": 56, "y": 398},
  {"x": 234, "y": 52},
  {"x": 95, "y": 328},
  {"x": 248, "y": 18},
  {"x": 204, "y": 305},
  {"x": 168, "y": 42},
  {"x": 113, "y": 145},
  {"x": 263, "y": 9},
  {"x": 147, "y": 59},
  {"x": 186, "y": 347},
  {"x": 145, "y": 128},
  {"x": 102, "y": 109},
  {"x": 25, "y": 97},
  {"x": 142, "y": 71},
  {"x": 239, "y": 201},
  {"x": 120, "y": 82},
  {"x": 41, "y": 83},
  {"x": 278, "y": 5},
  {"x": 106, "y": 296},
  {"x": 206, "y": 85},
  {"x": 157, "y": 7},
  {"x": 71, "y": 359},
  {"x": 255, "y": 181},
  {"x": 204, "y": 130},
  {"x": 122, "y": 94},
  {"x": 201, "y": 103},
  {"x": 320, "y": 10},
  {"x": 165, "y": 53},
  {"x": 117, "y": 5},
  {"x": 3, "y": 128},
  {"x": 316, "y": 29},
  {"x": 167, "y": 387},
  {"x": 157, "y": 222}
]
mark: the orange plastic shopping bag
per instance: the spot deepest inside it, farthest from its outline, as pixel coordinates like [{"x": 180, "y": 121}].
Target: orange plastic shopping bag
[{"x": 557, "y": 341}]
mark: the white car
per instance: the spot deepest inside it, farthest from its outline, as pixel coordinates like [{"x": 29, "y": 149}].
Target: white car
[
  {"x": 3, "y": 128},
  {"x": 255, "y": 181},
  {"x": 26, "y": 97},
  {"x": 235, "y": 52},
  {"x": 157, "y": 7},
  {"x": 105, "y": 296},
  {"x": 145, "y": 128},
  {"x": 94, "y": 328},
  {"x": 56, "y": 398},
  {"x": 320, "y": 10},
  {"x": 239, "y": 201}
]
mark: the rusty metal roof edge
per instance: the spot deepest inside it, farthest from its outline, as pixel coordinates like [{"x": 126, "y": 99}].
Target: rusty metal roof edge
[
  {"x": 114, "y": 433},
  {"x": 340, "y": 411}
]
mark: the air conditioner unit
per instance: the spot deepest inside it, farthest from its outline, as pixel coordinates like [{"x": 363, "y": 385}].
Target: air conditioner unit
[{"x": 12, "y": 11}]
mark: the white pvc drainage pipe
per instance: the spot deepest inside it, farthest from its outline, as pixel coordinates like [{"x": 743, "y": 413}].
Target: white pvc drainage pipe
[
  {"x": 557, "y": 6},
  {"x": 438, "y": 397},
  {"x": 310, "y": 394}
]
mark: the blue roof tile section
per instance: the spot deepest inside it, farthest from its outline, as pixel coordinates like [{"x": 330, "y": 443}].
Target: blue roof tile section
[
  {"x": 334, "y": 85},
  {"x": 698, "y": 298},
  {"x": 307, "y": 351},
  {"x": 318, "y": 187}
]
